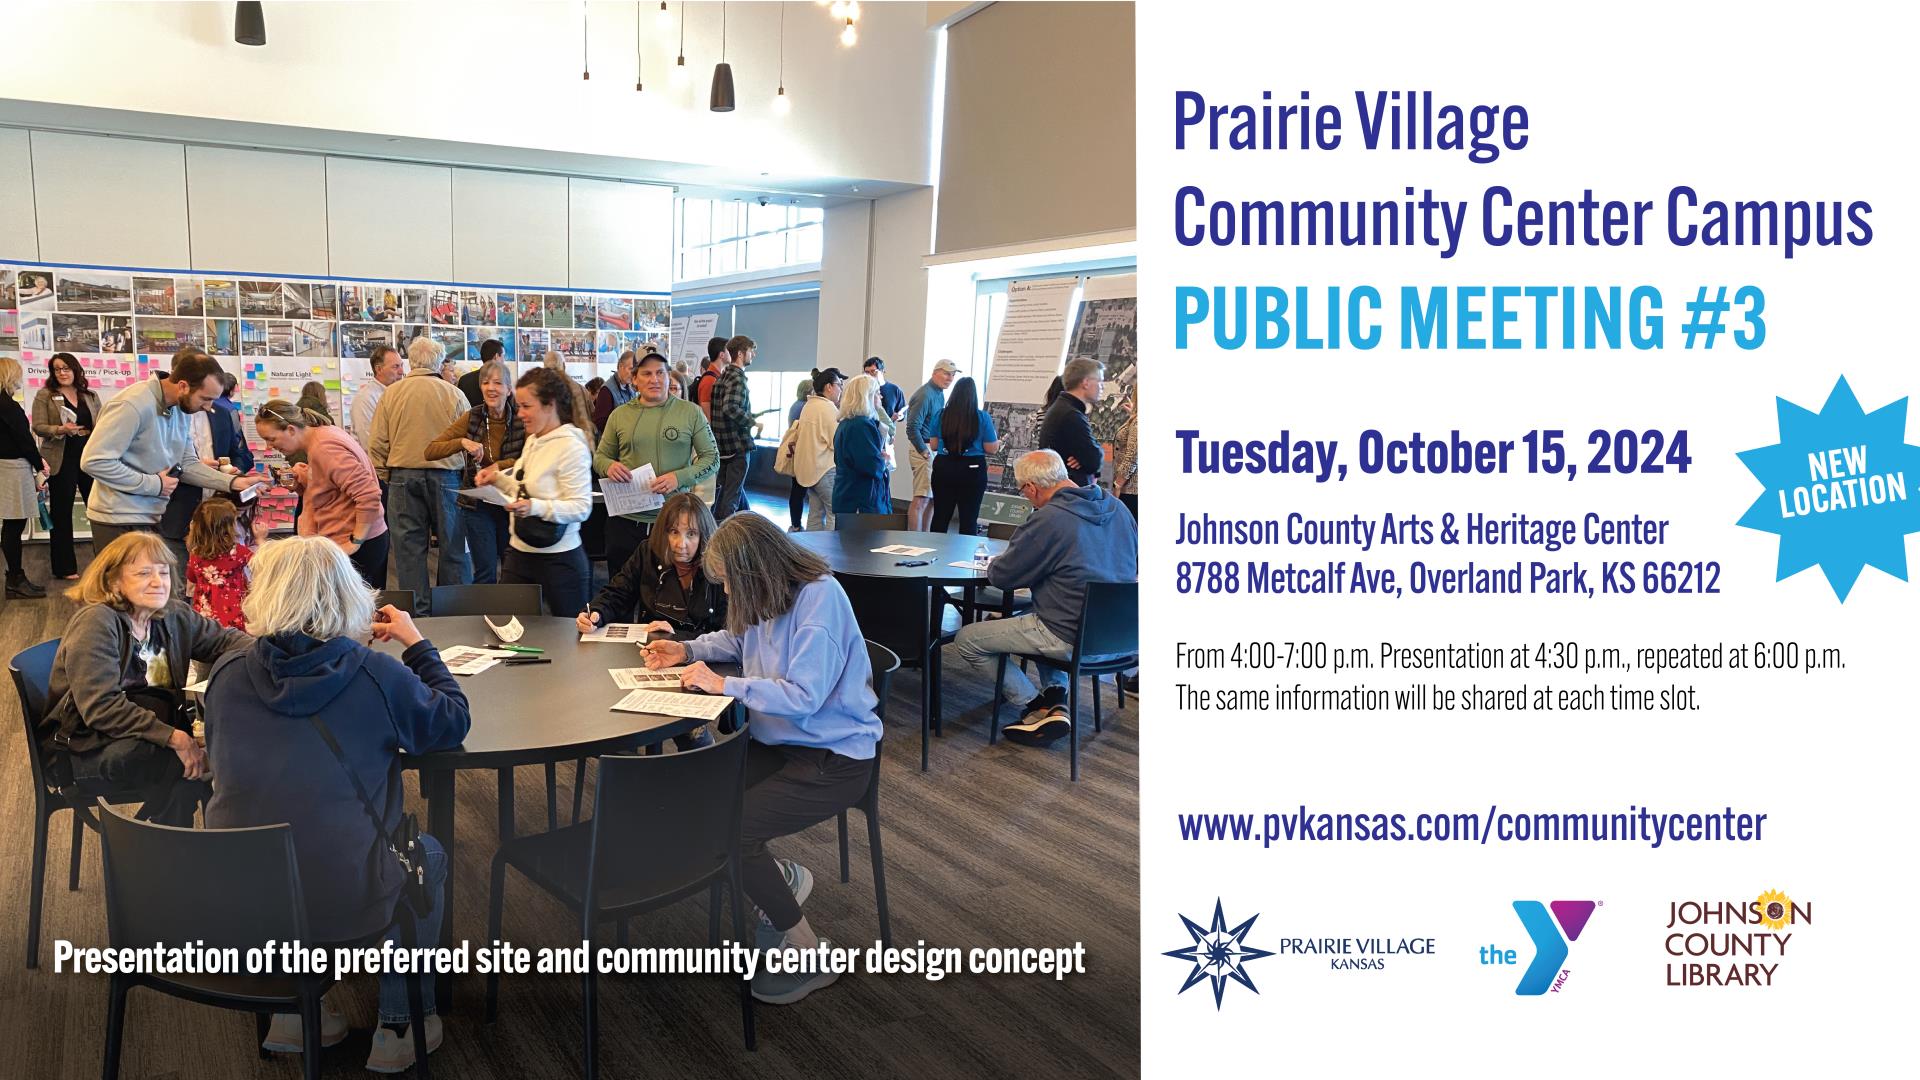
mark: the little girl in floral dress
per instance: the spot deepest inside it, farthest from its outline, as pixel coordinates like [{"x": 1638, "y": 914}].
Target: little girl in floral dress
[{"x": 217, "y": 557}]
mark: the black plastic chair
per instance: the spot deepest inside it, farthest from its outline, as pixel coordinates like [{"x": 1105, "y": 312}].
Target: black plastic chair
[
  {"x": 844, "y": 522},
  {"x": 220, "y": 888},
  {"x": 400, "y": 598},
  {"x": 884, "y": 664},
  {"x": 663, "y": 828},
  {"x": 1109, "y": 624},
  {"x": 32, "y": 669},
  {"x": 900, "y": 614},
  {"x": 493, "y": 600}
]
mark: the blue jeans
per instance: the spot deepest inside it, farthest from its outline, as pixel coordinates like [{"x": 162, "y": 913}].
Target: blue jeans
[
  {"x": 426, "y": 934},
  {"x": 485, "y": 528},
  {"x": 423, "y": 499},
  {"x": 981, "y": 644}
]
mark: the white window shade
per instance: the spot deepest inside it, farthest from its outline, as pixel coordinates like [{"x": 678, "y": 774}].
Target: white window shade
[{"x": 1037, "y": 141}]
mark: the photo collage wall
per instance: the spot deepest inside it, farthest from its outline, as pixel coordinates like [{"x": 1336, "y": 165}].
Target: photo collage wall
[{"x": 277, "y": 334}]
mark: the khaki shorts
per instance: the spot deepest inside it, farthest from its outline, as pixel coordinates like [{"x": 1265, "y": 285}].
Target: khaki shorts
[{"x": 922, "y": 473}]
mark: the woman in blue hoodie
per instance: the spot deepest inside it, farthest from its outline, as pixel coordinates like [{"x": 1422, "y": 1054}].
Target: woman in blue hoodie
[
  {"x": 266, "y": 711},
  {"x": 810, "y": 714}
]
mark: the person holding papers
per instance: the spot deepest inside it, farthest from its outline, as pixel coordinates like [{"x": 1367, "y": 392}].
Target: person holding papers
[
  {"x": 490, "y": 433},
  {"x": 804, "y": 682},
  {"x": 340, "y": 495},
  {"x": 551, "y": 491},
  {"x": 654, "y": 429}
]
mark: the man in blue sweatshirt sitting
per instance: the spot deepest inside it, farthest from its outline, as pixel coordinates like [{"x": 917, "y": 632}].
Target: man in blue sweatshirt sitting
[{"x": 1075, "y": 535}]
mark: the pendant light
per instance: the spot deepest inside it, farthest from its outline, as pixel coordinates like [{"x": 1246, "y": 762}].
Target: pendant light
[
  {"x": 721, "y": 97},
  {"x": 639, "y": 66},
  {"x": 849, "y": 36},
  {"x": 249, "y": 25},
  {"x": 680, "y": 64},
  {"x": 663, "y": 17},
  {"x": 782, "y": 104},
  {"x": 584, "y": 73}
]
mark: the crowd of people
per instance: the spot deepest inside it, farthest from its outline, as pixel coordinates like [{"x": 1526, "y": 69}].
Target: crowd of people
[{"x": 301, "y": 712}]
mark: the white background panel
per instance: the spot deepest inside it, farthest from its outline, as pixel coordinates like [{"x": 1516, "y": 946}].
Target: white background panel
[
  {"x": 387, "y": 220},
  {"x": 111, "y": 202},
  {"x": 620, "y": 236},
  {"x": 510, "y": 228},
  {"x": 257, "y": 212},
  {"x": 18, "y": 237}
]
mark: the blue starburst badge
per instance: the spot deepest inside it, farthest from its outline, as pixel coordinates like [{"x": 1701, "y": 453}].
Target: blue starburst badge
[
  {"x": 1218, "y": 953},
  {"x": 1837, "y": 489}
]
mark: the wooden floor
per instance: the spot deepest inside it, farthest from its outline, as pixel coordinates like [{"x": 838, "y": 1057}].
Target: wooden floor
[{"x": 992, "y": 848}]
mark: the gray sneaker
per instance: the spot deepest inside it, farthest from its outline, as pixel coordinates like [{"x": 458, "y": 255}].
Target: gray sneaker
[{"x": 785, "y": 989}]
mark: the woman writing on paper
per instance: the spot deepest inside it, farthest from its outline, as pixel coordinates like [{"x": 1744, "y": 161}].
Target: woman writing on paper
[
  {"x": 489, "y": 434},
  {"x": 663, "y": 584},
  {"x": 551, "y": 485},
  {"x": 804, "y": 683},
  {"x": 340, "y": 495}
]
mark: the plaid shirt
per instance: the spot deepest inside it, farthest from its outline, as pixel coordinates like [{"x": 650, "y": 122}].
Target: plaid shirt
[{"x": 732, "y": 414}]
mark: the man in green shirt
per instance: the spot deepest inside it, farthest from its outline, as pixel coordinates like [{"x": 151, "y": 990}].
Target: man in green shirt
[{"x": 668, "y": 433}]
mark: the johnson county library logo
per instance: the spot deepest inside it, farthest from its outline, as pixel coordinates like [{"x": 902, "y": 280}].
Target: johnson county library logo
[
  {"x": 1716, "y": 943},
  {"x": 1553, "y": 927},
  {"x": 1219, "y": 954}
]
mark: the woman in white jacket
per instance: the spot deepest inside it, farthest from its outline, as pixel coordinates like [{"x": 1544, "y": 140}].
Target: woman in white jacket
[
  {"x": 551, "y": 485},
  {"x": 813, "y": 447}
]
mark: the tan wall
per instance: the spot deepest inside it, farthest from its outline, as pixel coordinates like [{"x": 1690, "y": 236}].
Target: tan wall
[{"x": 1038, "y": 137}]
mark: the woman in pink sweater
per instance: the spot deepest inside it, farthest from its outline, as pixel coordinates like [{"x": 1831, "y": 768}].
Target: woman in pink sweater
[{"x": 341, "y": 493}]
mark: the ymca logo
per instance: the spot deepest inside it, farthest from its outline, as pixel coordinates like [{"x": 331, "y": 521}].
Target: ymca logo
[{"x": 1551, "y": 934}]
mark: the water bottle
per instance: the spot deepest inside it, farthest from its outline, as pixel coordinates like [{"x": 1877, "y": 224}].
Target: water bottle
[{"x": 980, "y": 556}]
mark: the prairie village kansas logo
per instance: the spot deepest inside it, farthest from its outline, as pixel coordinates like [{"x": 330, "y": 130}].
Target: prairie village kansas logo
[{"x": 1218, "y": 953}]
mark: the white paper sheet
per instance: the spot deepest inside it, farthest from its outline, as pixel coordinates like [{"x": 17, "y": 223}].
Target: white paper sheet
[
  {"x": 693, "y": 706},
  {"x": 620, "y": 633},
  {"x": 900, "y": 549},
  {"x": 632, "y": 496},
  {"x": 639, "y": 678},
  {"x": 467, "y": 660},
  {"x": 968, "y": 564},
  {"x": 486, "y": 493}
]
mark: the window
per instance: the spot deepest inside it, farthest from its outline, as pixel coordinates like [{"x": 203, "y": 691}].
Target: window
[{"x": 718, "y": 237}]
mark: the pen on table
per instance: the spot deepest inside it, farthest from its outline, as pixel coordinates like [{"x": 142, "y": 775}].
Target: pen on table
[
  {"x": 511, "y": 648},
  {"x": 519, "y": 660}
]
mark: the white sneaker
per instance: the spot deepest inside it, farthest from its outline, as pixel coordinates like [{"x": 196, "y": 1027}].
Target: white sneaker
[
  {"x": 392, "y": 1054},
  {"x": 785, "y": 988},
  {"x": 286, "y": 1035}
]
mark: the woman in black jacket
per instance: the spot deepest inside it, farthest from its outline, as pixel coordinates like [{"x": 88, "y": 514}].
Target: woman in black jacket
[
  {"x": 663, "y": 582},
  {"x": 63, "y": 413},
  {"x": 21, "y": 473},
  {"x": 121, "y": 663}
]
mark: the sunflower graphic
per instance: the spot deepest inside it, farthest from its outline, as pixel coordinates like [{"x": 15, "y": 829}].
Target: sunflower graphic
[{"x": 1776, "y": 911}]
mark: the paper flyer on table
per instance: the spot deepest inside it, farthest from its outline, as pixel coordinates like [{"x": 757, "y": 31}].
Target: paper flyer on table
[{"x": 692, "y": 706}]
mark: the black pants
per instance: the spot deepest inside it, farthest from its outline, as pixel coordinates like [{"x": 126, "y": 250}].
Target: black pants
[
  {"x": 128, "y": 769},
  {"x": 731, "y": 494},
  {"x": 61, "y": 488},
  {"x": 959, "y": 483},
  {"x": 12, "y": 532},
  {"x": 562, "y": 577},
  {"x": 789, "y": 789},
  {"x": 371, "y": 561},
  {"x": 796, "y": 503},
  {"x": 1132, "y": 503},
  {"x": 624, "y": 537}
]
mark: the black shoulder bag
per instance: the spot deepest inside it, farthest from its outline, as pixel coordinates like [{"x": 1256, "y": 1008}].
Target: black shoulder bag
[
  {"x": 404, "y": 842},
  {"x": 537, "y": 531}
]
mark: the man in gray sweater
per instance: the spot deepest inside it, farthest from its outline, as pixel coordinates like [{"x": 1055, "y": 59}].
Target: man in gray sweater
[{"x": 142, "y": 448}]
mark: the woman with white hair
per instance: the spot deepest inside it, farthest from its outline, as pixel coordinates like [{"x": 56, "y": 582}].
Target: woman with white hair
[
  {"x": 306, "y": 727},
  {"x": 861, "y": 467}
]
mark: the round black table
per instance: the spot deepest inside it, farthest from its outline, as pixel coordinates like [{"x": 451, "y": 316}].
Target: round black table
[
  {"x": 529, "y": 714},
  {"x": 851, "y": 552}
]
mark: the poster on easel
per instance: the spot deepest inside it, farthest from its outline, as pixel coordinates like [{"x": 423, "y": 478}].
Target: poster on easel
[{"x": 693, "y": 344}]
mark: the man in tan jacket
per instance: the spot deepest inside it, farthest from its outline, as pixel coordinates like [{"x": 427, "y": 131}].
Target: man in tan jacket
[{"x": 421, "y": 490}]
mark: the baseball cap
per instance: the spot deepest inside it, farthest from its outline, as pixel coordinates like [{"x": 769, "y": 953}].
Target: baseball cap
[{"x": 947, "y": 366}]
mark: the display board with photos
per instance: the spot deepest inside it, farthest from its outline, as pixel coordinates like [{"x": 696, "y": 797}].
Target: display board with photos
[
  {"x": 1105, "y": 328},
  {"x": 277, "y": 334}
]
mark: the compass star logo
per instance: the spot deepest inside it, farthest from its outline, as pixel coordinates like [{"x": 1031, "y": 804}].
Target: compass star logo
[{"x": 1218, "y": 953}]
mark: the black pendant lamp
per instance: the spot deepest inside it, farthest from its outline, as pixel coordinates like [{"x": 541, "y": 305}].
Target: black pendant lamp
[
  {"x": 249, "y": 25},
  {"x": 721, "y": 99}
]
